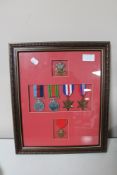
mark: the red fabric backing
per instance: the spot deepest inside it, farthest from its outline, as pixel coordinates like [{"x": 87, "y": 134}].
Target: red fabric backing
[{"x": 83, "y": 126}]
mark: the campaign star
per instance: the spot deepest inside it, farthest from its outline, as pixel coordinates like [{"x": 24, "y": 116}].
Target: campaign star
[
  {"x": 68, "y": 104},
  {"x": 82, "y": 104}
]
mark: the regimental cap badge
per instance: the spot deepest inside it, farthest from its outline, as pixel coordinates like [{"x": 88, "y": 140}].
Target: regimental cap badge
[{"x": 60, "y": 68}]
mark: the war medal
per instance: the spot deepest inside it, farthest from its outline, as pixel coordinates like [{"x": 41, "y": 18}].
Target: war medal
[
  {"x": 60, "y": 68},
  {"x": 53, "y": 92},
  {"x": 38, "y": 91},
  {"x": 61, "y": 124},
  {"x": 68, "y": 90},
  {"x": 82, "y": 103}
]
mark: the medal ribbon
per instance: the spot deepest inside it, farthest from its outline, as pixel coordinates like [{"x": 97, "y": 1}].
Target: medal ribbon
[
  {"x": 53, "y": 91},
  {"x": 82, "y": 89},
  {"x": 61, "y": 123},
  {"x": 68, "y": 89},
  {"x": 38, "y": 91}
]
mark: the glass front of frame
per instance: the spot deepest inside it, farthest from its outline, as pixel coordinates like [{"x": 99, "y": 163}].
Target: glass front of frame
[
  {"x": 73, "y": 95},
  {"x": 60, "y": 95}
]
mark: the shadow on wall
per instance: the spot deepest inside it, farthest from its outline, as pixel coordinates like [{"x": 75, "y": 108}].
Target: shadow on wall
[
  {"x": 1, "y": 172},
  {"x": 110, "y": 121},
  {"x": 112, "y": 130}
]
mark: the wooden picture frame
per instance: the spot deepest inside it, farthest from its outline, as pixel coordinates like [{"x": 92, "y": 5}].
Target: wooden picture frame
[{"x": 74, "y": 121}]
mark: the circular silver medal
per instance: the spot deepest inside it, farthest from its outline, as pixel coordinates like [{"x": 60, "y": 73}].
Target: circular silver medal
[
  {"x": 54, "y": 106},
  {"x": 39, "y": 106}
]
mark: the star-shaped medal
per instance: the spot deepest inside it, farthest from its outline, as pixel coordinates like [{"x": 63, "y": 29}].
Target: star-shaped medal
[
  {"x": 82, "y": 103},
  {"x": 68, "y": 104}
]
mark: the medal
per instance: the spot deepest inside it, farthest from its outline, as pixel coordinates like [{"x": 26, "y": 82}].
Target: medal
[
  {"x": 61, "y": 124},
  {"x": 38, "y": 91},
  {"x": 39, "y": 106},
  {"x": 53, "y": 92},
  {"x": 68, "y": 90},
  {"x": 60, "y": 133},
  {"x": 82, "y": 103},
  {"x": 54, "y": 106}
]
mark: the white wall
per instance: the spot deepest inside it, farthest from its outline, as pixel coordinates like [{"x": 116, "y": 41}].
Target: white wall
[
  {"x": 68, "y": 164},
  {"x": 55, "y": 20}
]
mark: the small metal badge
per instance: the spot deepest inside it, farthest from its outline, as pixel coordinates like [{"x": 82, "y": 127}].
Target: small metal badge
[
  {"x": 61, "y": 133},
  {"x": 68, "y": 104},
  {"x": 54, "y": 106},
  {"x": 60, "y": 68},
  {"x": 82, "y": 104},
  {"x": 39, "y": 106}
]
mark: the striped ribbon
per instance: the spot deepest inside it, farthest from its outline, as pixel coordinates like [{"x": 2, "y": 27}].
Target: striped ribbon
[
  {"x": 68, "y": 89},
  {"x": 53, "y": 91},
  {"x": 82, "y": 89},
  {"x": 38, "y": 90}
]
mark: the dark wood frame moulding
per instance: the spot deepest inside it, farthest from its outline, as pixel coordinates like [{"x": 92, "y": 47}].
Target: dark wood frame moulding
[{"x": 15, "y": 48}]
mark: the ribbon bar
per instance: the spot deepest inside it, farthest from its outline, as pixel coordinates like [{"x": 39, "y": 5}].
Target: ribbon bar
[
  {"x": 38, "y": 90},
  {"x": 82, "y": 89},
  {"x": 53, "y": 91},
  {"x": 68, "y": 89}
]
